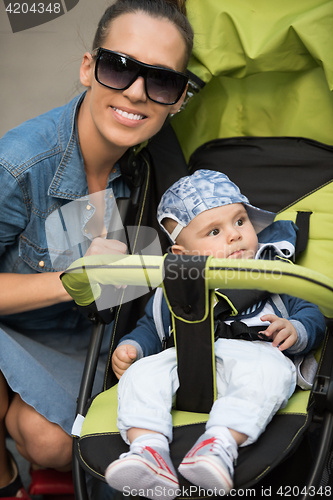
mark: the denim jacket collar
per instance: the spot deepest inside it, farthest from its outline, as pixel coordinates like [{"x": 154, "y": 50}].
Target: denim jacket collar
[{"x": 69, "y": 181}]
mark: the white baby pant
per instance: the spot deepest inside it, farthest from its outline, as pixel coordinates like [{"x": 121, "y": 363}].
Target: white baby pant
[{"x": 254, "y": 380}]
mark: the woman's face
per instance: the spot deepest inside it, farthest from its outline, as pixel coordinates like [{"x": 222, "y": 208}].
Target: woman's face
[{"x": 149, "y": 40}]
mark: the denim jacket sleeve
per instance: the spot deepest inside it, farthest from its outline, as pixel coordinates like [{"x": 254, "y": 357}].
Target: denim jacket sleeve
[{"x": 13, "y": 213}]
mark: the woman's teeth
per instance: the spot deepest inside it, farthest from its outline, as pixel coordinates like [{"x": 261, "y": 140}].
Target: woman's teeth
[{"x": 130, "y": 116}]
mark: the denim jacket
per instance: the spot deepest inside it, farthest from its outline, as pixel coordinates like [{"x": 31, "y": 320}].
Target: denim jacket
[{"x": 41, "y": 172}]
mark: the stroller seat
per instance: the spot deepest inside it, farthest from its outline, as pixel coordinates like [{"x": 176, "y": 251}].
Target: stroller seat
[{"x": 94, "y": 447}]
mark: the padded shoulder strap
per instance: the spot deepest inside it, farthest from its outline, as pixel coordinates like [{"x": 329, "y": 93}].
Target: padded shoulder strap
[
  {"x": 303, "y": 224},
  {"x": 191, "y": 307}
]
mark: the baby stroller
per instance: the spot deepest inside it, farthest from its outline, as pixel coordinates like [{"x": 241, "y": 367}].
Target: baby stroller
[
  {"x": 283, "y": 145},
  {"x": 100, "y": 443}
]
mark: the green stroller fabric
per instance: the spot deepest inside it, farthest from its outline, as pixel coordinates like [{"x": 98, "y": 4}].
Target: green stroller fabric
[{"x": 267, "y": 67}]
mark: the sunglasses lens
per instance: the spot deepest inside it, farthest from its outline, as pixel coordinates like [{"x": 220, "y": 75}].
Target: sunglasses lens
[
  {"x": 165, "y": 86},
  {"x": 115, "y": 71},
  {"x": 119, "y": 72}
]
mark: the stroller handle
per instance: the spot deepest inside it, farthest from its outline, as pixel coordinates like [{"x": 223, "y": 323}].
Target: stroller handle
[{"x": 83, "y": 279}]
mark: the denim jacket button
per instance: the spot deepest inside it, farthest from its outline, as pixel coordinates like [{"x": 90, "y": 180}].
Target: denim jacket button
[
  {"x": 41, "y": 263},
  {"x": 88, "y": 207}
]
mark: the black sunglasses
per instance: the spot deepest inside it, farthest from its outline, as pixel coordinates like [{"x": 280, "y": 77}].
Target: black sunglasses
[{"x": 119, "y": 72}]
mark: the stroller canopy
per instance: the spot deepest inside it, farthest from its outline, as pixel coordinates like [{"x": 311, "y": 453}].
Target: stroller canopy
[{"x": 267, "y": 68}]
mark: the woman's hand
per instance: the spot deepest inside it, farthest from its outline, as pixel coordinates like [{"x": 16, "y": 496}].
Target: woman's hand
[
  {"x": 123, "y": 356},
  {"x": 102, "y": 246},
  {"x": 282, "y": 332}
]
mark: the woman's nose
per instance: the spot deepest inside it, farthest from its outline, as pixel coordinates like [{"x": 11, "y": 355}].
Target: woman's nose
[{"x": 136, "y": 92}]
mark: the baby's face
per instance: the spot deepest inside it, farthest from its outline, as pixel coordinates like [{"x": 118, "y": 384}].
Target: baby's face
[{"x": 224, "y": 232}]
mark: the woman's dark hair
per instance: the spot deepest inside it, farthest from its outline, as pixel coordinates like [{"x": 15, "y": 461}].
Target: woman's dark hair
[{"x": 173, "y": 10}]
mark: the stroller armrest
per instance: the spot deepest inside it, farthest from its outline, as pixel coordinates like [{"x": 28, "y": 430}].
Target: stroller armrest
[{"x": 83, "y": 278}]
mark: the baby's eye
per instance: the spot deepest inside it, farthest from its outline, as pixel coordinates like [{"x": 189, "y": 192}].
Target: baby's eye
[
  {"x": 240, "y": 222},
  {"x": 214, "y": 232}
]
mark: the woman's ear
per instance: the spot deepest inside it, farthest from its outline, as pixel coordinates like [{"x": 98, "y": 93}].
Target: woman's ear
[
  {"x": 178, "y": 250},
  {"x": 87, "y": 70},
  {"x": 174, "y": 108}
]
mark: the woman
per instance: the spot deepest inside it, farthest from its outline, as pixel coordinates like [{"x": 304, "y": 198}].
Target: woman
[{"x": 68, "y": 154}]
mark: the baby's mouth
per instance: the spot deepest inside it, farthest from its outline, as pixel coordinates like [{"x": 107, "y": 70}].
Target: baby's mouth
[{"x": 236, "y": 253}]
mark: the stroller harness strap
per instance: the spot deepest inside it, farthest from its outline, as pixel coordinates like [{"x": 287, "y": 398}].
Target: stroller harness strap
[
  {"x": 231, "y": 302},
  {"x": 189, "y": 300},
  {"x": 236, "y": 330},
  {"x": 239, "y": 330},
  {"x": 196, "y": 324}
]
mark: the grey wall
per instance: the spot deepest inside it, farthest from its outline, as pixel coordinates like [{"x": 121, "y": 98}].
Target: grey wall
[{"x": 39, "y": 67}]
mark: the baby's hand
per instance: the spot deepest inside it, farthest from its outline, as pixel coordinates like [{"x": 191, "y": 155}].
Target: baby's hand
[
  {"x": 282, "y": 332},
  {"x": 123, "y": 356}
]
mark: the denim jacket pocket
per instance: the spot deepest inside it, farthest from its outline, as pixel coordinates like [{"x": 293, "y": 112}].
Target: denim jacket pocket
[{"x": 39, "y": 259}]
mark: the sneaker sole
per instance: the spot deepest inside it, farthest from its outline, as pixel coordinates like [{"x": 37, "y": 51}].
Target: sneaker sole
[
  {"x": 136, "y": 473},
  {"x": 205, "y": 472}
]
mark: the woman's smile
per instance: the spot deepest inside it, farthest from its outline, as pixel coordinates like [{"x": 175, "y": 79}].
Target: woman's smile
[{"x": 127, "y": 117}]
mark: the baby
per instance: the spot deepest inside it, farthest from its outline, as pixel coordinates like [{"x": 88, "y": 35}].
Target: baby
[{"x": 205, "y": 214}]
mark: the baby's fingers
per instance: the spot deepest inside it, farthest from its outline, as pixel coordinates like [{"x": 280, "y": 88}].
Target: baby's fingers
[
  {"x": 269, "y": 317},
  {"x": 119, "y": 367},
  {"x": 276, "y": 326},
  {"x": 288, "y": 342},
  {"x": 283, "y": 339}
]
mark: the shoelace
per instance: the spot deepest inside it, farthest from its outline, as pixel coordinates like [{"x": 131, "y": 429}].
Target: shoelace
[
  {"x": 135, "y": 448},
  {"x": 224, "y": 449}
]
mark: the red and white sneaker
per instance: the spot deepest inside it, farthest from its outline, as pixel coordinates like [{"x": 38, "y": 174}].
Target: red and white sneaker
[
  {"x": 147, "y": 469},
  {"x": 209, "y": 464}
]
